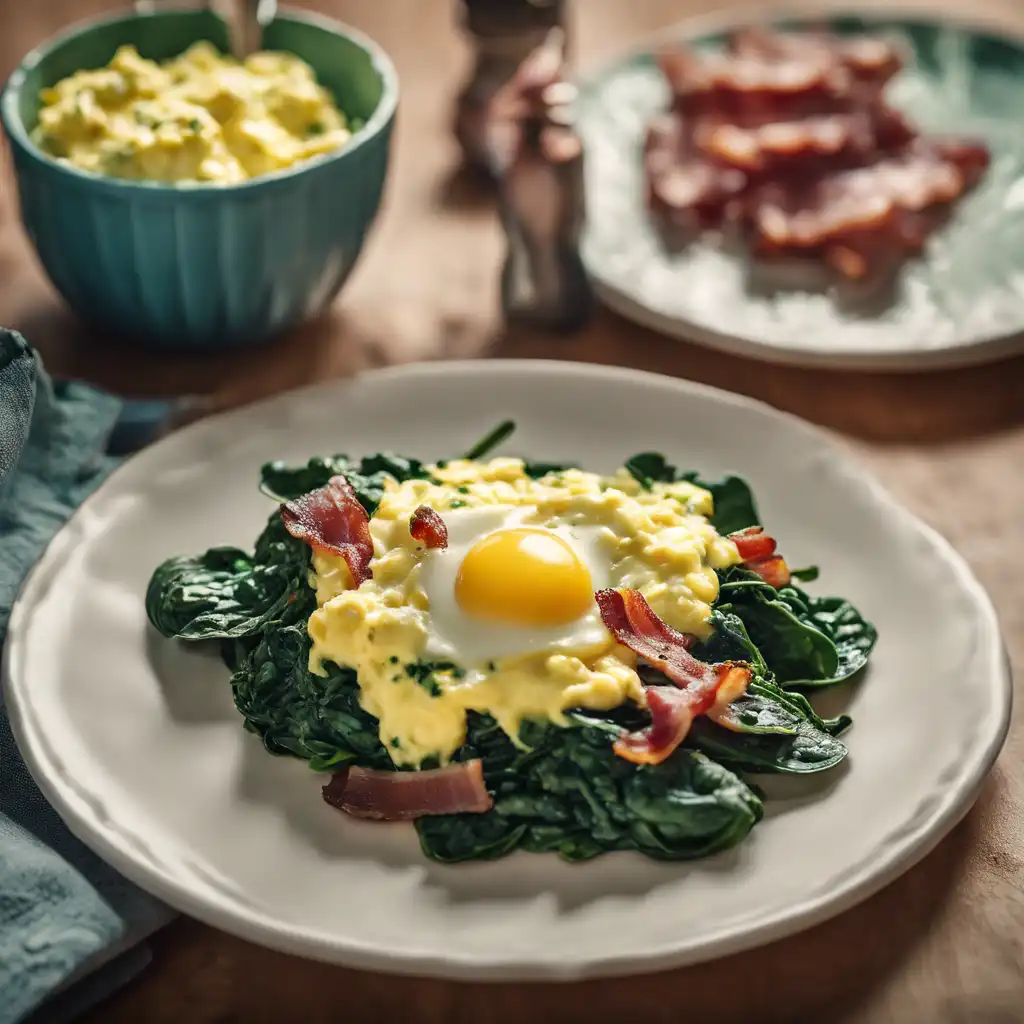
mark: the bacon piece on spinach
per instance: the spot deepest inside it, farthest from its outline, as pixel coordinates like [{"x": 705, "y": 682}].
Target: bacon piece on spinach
[
  {"x": 757, "y": 549},
  {"x": 698, "y": 688},
  {"x": 332, "y": 519},
  {"x": 402, "y": 796}
]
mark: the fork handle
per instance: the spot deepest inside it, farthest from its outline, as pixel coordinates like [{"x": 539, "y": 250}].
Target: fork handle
[{"x": 245, "y": 19}]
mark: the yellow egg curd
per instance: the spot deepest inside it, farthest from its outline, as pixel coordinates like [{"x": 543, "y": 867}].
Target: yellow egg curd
[
  {"x": 658, "y": 541},
  {"x": 201, "y": 117}
]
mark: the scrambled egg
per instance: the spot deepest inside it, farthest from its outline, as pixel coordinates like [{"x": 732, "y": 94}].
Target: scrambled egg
[
  {"x": 393, "y": 627},
  {"x": 199, "y": 117}
]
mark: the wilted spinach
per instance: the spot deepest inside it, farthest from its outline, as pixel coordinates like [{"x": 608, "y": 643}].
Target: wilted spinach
[
  {"x": 734, "y": 507},
  {"x": 225, "y": 593},
  {"x": 367, "y": 476},
  {"x": 770, "y": 733},
  {"x": 569, "y": 794},
  {"x": 806, "y": 641},
  {"x": 563, "y": 789}
]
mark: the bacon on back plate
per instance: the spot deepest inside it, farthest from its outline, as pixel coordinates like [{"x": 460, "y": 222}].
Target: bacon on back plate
[
  {"x": 699, "y": 687},
  {"x": 798, "y": 214},
  {"x": 788, "y": 137},
  {"x": 400, "y": 796},
  {"x": 427, "y": 526},
  {"x": 753, "y": 88},
  {"x": 684, "y": 187},
  {"x": 332, "y": 519},
  {"x": 866, "y": 58}
]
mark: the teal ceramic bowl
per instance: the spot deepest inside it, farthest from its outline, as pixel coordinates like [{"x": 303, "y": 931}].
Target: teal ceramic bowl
[{"x": 196, "y": 265}]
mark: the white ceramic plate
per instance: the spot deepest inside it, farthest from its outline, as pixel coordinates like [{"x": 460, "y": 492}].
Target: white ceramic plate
[
  {"x": 959, "y": 303},
  {"x": 135, "y": 740}
]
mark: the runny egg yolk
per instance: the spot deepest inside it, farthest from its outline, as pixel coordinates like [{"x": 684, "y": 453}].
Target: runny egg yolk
[{"x": 523, "y": 577}]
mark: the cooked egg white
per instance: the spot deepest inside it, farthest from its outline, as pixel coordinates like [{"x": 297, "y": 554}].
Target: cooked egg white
[
  {"x": 503, "y": 621},
  {"x": 202, "y": 116}
]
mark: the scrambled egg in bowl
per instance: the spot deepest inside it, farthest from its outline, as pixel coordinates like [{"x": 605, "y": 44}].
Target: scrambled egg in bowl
[
  {"x": 503, "y": 619},
  {"x": 201, "y": 117}
]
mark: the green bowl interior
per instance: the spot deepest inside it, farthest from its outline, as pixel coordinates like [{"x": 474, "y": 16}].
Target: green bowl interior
[{"x": 341, "y": 64}]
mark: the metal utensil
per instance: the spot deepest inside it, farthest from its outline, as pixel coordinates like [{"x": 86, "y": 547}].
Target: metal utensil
[
  {"x": 245, "y": 19},
  {"x": 537, "y": 158}
]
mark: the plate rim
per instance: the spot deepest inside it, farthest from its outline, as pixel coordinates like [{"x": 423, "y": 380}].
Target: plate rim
[
  {"x": 88, "y": 825},
  {"x": 949, "y": 356}
]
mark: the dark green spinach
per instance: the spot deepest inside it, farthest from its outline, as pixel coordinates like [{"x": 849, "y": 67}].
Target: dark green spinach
[
  {"x": 806, "y": 641},
  {"x": 569, "y": 794},
  {"x": 367, "y": 476},
  {"x": 561, "y": 789},
  {"x": 225, "y": 593},
  {"x": 734, "y": 506}
]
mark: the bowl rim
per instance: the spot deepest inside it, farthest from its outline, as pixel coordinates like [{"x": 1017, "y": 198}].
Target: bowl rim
[{"x": 15, "y": 129}]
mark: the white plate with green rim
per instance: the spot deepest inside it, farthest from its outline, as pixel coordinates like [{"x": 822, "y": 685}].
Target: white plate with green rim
[
  {"x": 961, "y": 302},
  {"x": 135, "y": 740}
]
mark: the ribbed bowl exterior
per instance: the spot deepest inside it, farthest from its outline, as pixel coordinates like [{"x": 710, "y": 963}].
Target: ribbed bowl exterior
[
  {"x": 199, "y": 266},
  {"x": 177, "y": 269}
]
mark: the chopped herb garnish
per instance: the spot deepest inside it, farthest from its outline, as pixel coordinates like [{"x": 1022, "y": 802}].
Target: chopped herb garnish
[
  {"x": 457, "y": 504},
  {"x": 539, "y": 469},
  {"x": 196, "y": 125},
  {"x": 393, "y": 659},
  {"x": 396, "y": 743},
  {"x": 316, "y": 128},
  {"x": 422, "y": 672},
  {"x": 502, "y": 432},
  {"x": 462, "y": 490}
]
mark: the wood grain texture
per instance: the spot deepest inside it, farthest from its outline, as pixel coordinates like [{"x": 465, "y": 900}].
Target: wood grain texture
[{"x": 943, "y": 944}]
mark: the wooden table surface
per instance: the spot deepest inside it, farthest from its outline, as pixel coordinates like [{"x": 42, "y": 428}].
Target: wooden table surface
[{"x": 945, "y": 943}]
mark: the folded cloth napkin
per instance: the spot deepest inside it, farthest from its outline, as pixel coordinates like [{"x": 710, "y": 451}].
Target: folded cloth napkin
[{"x": 70, "y": 926}]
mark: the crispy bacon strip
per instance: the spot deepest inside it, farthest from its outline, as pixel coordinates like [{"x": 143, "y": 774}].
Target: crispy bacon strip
[
  {"x": 788, "y": 137},
  {"x": 753, "y": 542},
  {"x": 773, "y": 570},
  {"x": 757, "y": 549},
  {"x": 401, "y": 796},
  {"x": 866, "y": 58},
  {"x": 803, "y": 146},
  {"x": 332, "y": 519},
  {"x": 428, "y": 528},
  {"x": 698, "y": 686},
  {"x": 797, "y": 215},
  {"x": 754, "y": 88},
  {"x": 682, "y": 186}
]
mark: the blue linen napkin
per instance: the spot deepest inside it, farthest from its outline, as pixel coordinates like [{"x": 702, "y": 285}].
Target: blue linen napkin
[{"x": 70, "y": 926}]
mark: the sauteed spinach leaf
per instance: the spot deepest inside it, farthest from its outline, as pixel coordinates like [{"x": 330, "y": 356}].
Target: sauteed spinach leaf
[
  {"x": 734, "y": 506},
  {"x": 367, "y": 476},
  {"x": 806, "y": 641},
  {"x": 569, "y": 794}
]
